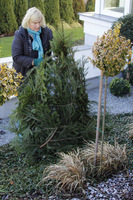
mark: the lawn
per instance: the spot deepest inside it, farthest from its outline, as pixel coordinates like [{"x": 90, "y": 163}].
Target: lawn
[
  {"x": 5, "y": 46},
  {"x": 6, "y": 42}
]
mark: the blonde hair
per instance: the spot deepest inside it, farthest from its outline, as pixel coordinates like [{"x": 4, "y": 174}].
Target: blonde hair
[{"x": 33, "y": 14}]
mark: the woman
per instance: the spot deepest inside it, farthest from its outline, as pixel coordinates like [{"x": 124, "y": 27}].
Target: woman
[{"x": 31, "y": 42}]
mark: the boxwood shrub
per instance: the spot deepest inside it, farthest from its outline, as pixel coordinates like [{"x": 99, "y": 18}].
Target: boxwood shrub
[{"x": 119, "y": 87}]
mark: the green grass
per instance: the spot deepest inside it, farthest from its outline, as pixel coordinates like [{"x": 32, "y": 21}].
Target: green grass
[
  {"x": 18, "y": 178},
  {"x": 6, "y": 42},
  {"x": 5, "y": 46},
  {"x": 77, "y": 35}
]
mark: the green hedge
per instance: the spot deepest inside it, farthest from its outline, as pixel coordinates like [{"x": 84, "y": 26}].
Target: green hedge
[
  {"x": 8, "y": 23},
  {"x": 90, "y": 6},
  {"x": 52, "y": 14},
  {"x": 78, "y": 6},
  {"x": 126, "y": 26},
  {"x": 20, "y": 8},
  {"x": 38, "y": 4},
  {"x": 66, "y": 10}
]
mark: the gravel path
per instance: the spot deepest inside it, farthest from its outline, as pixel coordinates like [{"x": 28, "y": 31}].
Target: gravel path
[
  {"x": 114, "y": 105},
  {"x": 5, "y": 135},
  {"x": 119, "y": 187}
]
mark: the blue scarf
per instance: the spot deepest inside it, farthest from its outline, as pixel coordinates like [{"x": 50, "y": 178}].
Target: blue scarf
[{"x": 37, "y": 43}]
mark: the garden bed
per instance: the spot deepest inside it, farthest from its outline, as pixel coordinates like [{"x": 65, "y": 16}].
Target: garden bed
[{"x": 19, "y": 178}]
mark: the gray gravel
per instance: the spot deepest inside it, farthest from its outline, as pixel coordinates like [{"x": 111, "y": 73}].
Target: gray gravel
[
  {"x": 114, "y": 105},
  {"x": 5, "y": 135},
  {"x": 119, "y": 187}
]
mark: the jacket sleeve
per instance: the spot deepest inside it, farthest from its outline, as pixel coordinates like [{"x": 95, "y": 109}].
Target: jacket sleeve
[
  {"x": 50, "y": 34},
  {"x": 46, "y": 37},
  {"x": 18, "y": 52},
  {"x": 49, "y": 38}
]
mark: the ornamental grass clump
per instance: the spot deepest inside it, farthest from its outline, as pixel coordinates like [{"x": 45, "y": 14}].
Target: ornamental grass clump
[
  {"x": 9, "y": 83},
  {"x": 130, "y": 132},
  {"x": 114, "y": 158},
  {"x": 69, "y": 174},
  {"x": 76, "y": 168}
]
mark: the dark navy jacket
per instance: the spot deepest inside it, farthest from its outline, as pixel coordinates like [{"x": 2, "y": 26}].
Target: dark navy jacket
[{"x": 22, "y": 56}]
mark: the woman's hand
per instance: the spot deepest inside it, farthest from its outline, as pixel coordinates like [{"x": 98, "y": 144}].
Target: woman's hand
[{"x": 37, "y": 61}]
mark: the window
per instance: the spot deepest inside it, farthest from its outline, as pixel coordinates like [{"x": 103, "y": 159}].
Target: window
[
  {"x": 113, "y": 8},
  {"x": 132, "y": 7},
  {"x": 114, "y": 5}
]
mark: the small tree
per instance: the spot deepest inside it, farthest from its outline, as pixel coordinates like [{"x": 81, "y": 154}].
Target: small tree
[
  {"x": 52, "y": 13},
  {"x": 8, "y": 23},
  {"x": 53, "y": 109},
  {"x": 78, "y": 6},
  {"x": 90, "y": 6},
  {"x": 20, "y": 8},
  {"x": 38, "y": 4},
  {"x": 66, "y": 11},
  {"x": 110, "y": 54}
]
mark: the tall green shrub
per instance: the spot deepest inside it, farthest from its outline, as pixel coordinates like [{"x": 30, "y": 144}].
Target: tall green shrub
[
  {"x": 8, "y": 23},
  {"x": 90, "y": 6},
  {"x": 78, "y": 6},
  {"x": 53, "y": 109},
  {"x": 20, "y": 8},
  {"x": 66, "y": 11},
  {"x": 38, "y": 4},
  {"x": 126, "y": 31},
  {"x": 52, "y": 14}
]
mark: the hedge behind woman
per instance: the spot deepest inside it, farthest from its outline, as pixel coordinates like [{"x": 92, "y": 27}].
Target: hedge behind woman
[{"x": 31, "y": 42}]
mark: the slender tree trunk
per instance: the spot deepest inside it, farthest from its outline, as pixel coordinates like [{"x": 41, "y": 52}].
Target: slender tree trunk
[
  {"x": 128, "y": 73},
  {"x": 103, "y": 125},
  {"x": 98, "y": 116}
]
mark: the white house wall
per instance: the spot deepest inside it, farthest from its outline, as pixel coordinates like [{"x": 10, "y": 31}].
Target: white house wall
[
  {"x": 85, "y": 51},
  {"x": 95, "y": 25}
]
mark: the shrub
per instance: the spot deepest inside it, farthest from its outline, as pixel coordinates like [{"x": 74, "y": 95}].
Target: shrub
[
  {"x": 20, "y": 8},
  {"x": 9, "y": 83},
  {"x": 66, "y": 11},
  {"x": 130, "y": 70},
  {"x": 90, "y": 6},
  {"x": 8, "y": 23},
  {"x": 78, "y": 6},
  {"x": 52, "y": 14},
  {"x": 126, "y": 29},
  {"x": 119, "y": 87},
  {"x": 38, "y": 4}
]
